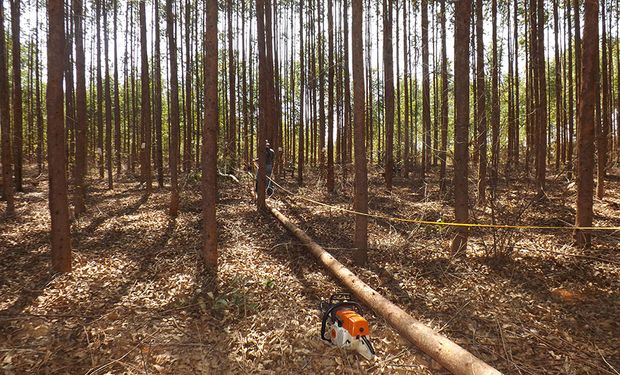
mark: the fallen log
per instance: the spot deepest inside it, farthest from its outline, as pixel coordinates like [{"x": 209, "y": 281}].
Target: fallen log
[{"x": 450, "y": 355}]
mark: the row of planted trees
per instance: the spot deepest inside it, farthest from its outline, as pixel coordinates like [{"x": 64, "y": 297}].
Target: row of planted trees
[{"x": 326, "y": 82}]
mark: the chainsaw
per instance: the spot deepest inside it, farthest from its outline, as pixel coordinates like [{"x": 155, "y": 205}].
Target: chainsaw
[{"x": 343, "y": 325}]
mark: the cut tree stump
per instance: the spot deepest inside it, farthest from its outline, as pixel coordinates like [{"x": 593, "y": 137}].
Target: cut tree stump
[{"x": 450, "y": 355}]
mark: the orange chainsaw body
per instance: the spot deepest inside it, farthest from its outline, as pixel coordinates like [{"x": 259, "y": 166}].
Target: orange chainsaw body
[{"x": 353, "y": 322}]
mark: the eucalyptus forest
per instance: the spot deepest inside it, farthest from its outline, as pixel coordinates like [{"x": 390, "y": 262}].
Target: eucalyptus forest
[{"x": 310, "y": 186}]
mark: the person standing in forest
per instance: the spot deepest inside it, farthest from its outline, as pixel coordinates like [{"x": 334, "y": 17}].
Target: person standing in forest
[{"x": 269, "y": 159}]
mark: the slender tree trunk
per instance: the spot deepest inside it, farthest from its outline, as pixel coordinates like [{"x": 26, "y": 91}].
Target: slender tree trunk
[
  {"x": 444, "y": 101},
  {"x": 461, "y": 124},
  {"x": 209, "y": 138},
  {"x": 330, "y": 99},
  {"x": 558, "y": 87},
  {"x": 406, "y": 157},
  {"x": 586, "y": 127},
  {"x": 100, "y": 96},
  {"x": 145, "y": 106},
  {"x": 108, "y": 101},
  {"x": 231, "y": 150},
  {"x": 360, "y": 199},
  {"x": 603, "y": 124},
  {"x": 58, "y": 200},
  {"x": 117, "y": 106},
  {"x": 38, "y": 96},
  {"x": 481, "y": 113},
  {"x": 388, "y": 72},
  {"x": 69, "y": 92},
  {"x": 17, "y": 94},
  {"x": 81, "y": 124},
  {"x": 571, "y": 121},
  {"x": 174, "y": 111},
  {"x": 5, "y": 122},
  {"x": 187, "y": 144},
  {"x": 495, "y": 109},
  {"x": 263, "y": 104},
  {"x": 541, "y": 149},
  {"x": 426, "y": 98},
  {"x": 302, "y": 89},
  {"x": 157, "y": 101}
]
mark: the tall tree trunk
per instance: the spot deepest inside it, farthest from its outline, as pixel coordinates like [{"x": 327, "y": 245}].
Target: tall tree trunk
[
  {"x": 108, "y": 101},
  {"x": 39, "y": 111},
  {"x": 100, "y": 98},
  {"x": 444, "y": 101},
  {"x": 56, "y": 159},
  {"x": 495, "y": 109},
  {"x": 81, "y": 124},
  {"x": 263, "y": 104},
  {"x": 586, "y": 128},
  {"x": 69, "y": 92},
  {"x": 569, "y": 156},
  {"x": 330, "y": 99},
  {"x": 481, "y": 113},
  {"x": 5, "y": 121},
  {"x": 426, "y": 96},
  {"x": 145, "y": 105},
  {"x": 461, "y": 124},
  {"x": 18, "y": 131},
  {"x": 603, "y": 124},
  {"x": 231, "y": 151},
  {"x": 157, "y": 101},
  {"x": 209, "y": 138},
  {"x": 558, "y": 88},
  {"x": 360, "y": 199},
  {"x": 388, "y": 71},
  {"x": 117, "y": 106},
  {"x": 406, "y": 156},
  {"x": 174, "y": 111},
  {"x": 187, "y": 144},
  {"x": 302, "y": 89},
  {"x": 541, "y": 149}
]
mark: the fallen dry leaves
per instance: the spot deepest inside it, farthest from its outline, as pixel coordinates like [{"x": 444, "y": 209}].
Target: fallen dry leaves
[{"x": 137, "y": 301}]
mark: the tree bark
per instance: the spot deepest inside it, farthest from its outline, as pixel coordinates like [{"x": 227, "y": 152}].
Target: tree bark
[
  {"x": 209, "y": 138},
  {"x": 145, "y": 113},
  {"x": 174, "y": 111},
  {"x": 360, "y": 199},
  {"x": 231, "y": 150},
  {"x": 81, "y": 124},
  {"x": 585, "y": 126},
  {"x": 481, "y": 113},
  {"x": 426, "y": 96},
  {"x": 5, "y": 122},
  {"x": 157, "y": 101},
  {"x": 17, "y": 94},
  {"x": 388, "y": 76},
  {"x": 330, "y": 99},
  {"x": 461, "y": 124},
  {"x": 603, "y": 124},
  {"x": 444, "y": 101},
  {"x": 108, "y": 101},
  {"x": 56, "y": 158}
]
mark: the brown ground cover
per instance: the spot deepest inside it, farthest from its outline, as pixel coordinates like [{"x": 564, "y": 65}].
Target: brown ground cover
[{"x": 524, "y": 301}]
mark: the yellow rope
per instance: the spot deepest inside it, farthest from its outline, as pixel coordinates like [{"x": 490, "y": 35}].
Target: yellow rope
[{"x": 440, "y": 223}]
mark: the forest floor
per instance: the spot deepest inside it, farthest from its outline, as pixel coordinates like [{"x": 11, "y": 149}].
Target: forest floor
[{"x": 524, "y": 301}]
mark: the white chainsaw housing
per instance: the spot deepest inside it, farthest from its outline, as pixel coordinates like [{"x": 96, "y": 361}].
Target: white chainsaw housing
[{"x": 341, "y": 338}]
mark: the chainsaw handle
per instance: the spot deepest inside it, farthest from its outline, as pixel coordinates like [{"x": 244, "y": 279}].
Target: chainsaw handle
[{"x": 331, "y": 309}]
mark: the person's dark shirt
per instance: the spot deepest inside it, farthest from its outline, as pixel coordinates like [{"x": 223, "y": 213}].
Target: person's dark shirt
[{"x": 269, "y": 155}]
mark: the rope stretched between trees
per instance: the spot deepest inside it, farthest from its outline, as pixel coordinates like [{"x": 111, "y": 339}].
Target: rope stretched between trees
[{"x": 441, "y": 223}]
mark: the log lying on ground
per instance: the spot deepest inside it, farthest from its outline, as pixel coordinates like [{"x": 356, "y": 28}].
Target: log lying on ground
[{"x": 450, "y": 355}]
